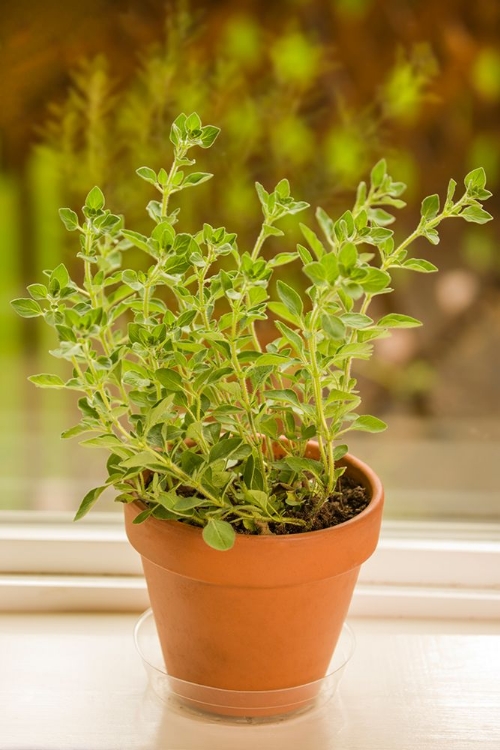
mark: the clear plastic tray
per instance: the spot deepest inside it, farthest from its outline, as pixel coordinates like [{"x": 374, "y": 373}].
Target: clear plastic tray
[{"x": 251, "y": 706}]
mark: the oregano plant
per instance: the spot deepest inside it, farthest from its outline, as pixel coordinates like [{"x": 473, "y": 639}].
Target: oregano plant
[{"x": 203, "y": 423}]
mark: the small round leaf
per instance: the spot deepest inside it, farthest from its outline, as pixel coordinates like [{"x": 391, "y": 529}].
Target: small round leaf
[{"x": 219, "y": 535}]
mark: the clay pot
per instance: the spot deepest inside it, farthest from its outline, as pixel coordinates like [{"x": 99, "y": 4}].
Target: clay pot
[{"x": 264, "y": 615}]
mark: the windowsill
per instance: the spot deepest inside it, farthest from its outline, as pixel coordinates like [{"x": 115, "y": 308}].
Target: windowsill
[
  {"x": 76, "y": 681},
  {"x": 437, "y": 570}
]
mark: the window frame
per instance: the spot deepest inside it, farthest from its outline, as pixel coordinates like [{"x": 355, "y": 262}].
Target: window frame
[{"x": 420, "y": 569}]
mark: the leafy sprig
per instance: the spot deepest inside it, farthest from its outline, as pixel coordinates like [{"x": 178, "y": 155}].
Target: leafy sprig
[{"x": 202, "y": 423}]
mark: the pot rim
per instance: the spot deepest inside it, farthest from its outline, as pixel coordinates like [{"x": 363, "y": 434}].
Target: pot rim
[
  {"x": 267, "y": 560},
  {"x": 375, "y": 487}
]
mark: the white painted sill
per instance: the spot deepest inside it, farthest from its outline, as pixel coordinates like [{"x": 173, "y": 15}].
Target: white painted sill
[
  {"x": 420, "y": 569},
  {"x": 76, "y": 681}
]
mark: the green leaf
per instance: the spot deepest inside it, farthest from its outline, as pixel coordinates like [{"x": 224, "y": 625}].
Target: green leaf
[
  {"x": 208, "y": 135},
  {"x": 331, "y": 266},
  {"x": 378, "y": 173},
  {"x": 38, "y": 291},
  {"x": 283, "y": 188},
  {"x": 167, "y": 500},
  {"x": 316, "y": 245},
  {"x": 69, "y": 218},
  {"x": 248, "y": 471},
  {"x": 292, "y": 500},
  {"x": 282, "y": 259},
  {"x": 378, "y": 235},
  {"x": 257, "y": 498},
  {"x": 291, "y": 336},
  {"x": 270, "y": 231},
  {"x": 224, "y": 448},
  {"x": 422, "y": 266},
  {"x": 26, "y": 308},
  {"x": 163, "y": 514},
  {"x": 61, "y": 275},
  {"x": 335, "y": 395},
  {"x": 104, "y": 441},
  {"x": 394, "y": 320},
  {"x": 88, "y": 501},
  {"x": 430, "y": 207},
  {"x": 476, "y": 215},
  {"x": 184, "y": 504},
  {"x": 333, "y": 327},
  {"x": 95, "y": 199},
  {"x": 431, "y": 235},
  {"x": 78, "y": 429},
  {"x": 286, "y": 395},
  {"x": 290, "y": 298},
  {"x": 193, "y": 122},
  {"x": 268, "y": 426},
  {"x": 86, "y": 409},
  {"x": 137, "y": 239},
  {"x": 375, "y": 280},
  {"x": 129, "y": 277},
  {"x": 305, "y": 255},
  {"x": 263, "y": 195},
  {"x": 169, "y": 379},
  {"x": 316, "y": 272},
  {"x": 280, "y": 309},
  {"x": 339, "y": 452},
  {"x": 348, "y": 255},
  {"x": 381, "y": 217},
  {"x": 108, "y": 223},
  {"x": 367, "y": 423},
  {"x": 143, "y": 516},
  {"x": 142, "y": 460},
  {"x": 177, "y": 130},
  {"x": 219, "y": 535},
  {"x": 296, "y": 207},
  {"x": 266, "y": 360},
  {"x": 45, "y": 380},
  {"x": 475, "y": 180},
  {"x": 186, "y": 318},
  {"x": 299, "y": 465},
  {"x": 358, "y": 351},
  {"x": 160, "y": 409},
  {"x": 196, "y": 178},
  {"x": 356, "y": 320},
  {"x": 450, "y": 192},
  {"x": 163, "y": 177},
  {"x": 147, "y": 174},
  {"x": 325, "y": 222},
  {"x": 164, "y": 233}
]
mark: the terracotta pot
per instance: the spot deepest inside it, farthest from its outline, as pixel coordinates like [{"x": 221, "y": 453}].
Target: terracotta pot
[{"x": 265, "y": 615}]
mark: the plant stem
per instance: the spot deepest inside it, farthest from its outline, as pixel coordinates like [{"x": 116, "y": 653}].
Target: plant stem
[
  {"x": 326, "y": 454},
  {"x": 248, "y": 407},
  {"x": 163, "y": 459},
  {"x": 89, "y": 284},
  {"x": 259, "y": 242},
  {"x": 255, "y": 254},
  {"x": 167, "y": 191}
]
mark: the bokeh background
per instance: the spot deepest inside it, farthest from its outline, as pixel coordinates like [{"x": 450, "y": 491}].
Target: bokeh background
[{"x": 312, "y": 90}]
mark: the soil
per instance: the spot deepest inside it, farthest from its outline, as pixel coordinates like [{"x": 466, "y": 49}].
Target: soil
[{"x": 348, "y": 501}]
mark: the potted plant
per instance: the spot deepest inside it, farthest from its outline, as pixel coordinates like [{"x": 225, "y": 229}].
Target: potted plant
[{"x": 251, "y": 517}]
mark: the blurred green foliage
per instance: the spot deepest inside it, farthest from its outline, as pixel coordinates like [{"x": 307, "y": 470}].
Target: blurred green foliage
[
  {"x": 316, "y": 95},
  {"x": 279, "y": 103},
  {"x": 313, "y": 90}
]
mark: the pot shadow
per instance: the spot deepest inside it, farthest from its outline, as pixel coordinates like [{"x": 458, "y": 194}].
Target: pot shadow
[{"x": 167, "y": 725}]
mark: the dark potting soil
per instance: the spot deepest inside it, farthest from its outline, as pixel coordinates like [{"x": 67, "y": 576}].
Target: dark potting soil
[{"x": 349, "y": 499}]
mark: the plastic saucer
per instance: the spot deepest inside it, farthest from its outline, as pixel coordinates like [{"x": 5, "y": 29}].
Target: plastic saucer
[{"x": 250, "y": 706}]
